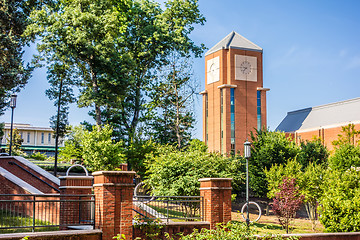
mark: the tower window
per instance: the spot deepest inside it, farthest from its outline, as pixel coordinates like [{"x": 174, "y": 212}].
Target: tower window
[
  {"x": 221, "y": 119},
  {"x": 232, "y": 120},
  {"x": 206, "y": 118},
  {"x": 258, "y": 110}
]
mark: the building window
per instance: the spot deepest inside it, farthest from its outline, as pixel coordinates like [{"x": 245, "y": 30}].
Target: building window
[
  {"x": 221, "y": 120},
  {"x": 49, "y": 138},
  {"x": 232, "y": 120},
  {"x": 206, "y": 118},
  {"x": 21, "y": 135},
  {"x": 28, "y": 138},
  {"x": 259, "y": 110},
  {"x": 42, "y": 137}
]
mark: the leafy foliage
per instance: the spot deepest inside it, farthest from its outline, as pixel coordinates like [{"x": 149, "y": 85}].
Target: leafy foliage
[
  {"x": 73, "y": 146},
  {"x": 345, "y": 156},
  {"x": 38, "y": 156},
  {"x": 347, "y": 136},
  {"x": 16, "y": 142},
  {"x": 170, "y": 107},
  {"x": 340, "y": 203},
  {"x": 310, "y": 183},
  {"x": 100, "y": 151},
  {"x": 229, "y": 231},
  {"x": 268, "y": 148},
  {"x": 312, "y": 152},
  {"x": 176, "y": 173},
  {"x": 287, "y": 202},
  {"x": 13, "y": 72}
]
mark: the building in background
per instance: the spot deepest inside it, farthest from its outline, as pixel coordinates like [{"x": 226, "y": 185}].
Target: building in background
[
  {"x": 36, "y": 139},
  {"x": 325, "y": 121},
  {"x": 234, "y": 100}
]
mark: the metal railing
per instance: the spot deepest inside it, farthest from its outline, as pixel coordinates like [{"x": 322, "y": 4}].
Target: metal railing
[
  {"x": 169, "y": 208},
  {"x": 30, "y": 212}
]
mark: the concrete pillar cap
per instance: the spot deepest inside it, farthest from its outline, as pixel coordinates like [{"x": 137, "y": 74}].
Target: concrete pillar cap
[{"x": 214, "y": 179}]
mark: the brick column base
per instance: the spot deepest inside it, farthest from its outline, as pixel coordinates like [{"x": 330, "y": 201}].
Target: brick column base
[
  {"x": 217, "y": 200},
  {"x": 113, "y": 202}
]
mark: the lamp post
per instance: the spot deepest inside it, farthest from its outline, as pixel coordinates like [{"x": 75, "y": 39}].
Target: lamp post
[
  {"x": 13, "y": 106},
  {"x": 247, "y": 155}
]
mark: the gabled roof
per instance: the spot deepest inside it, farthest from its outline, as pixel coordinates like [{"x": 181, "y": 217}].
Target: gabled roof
[
  {"x": 234, "y": 40},
  {"x": 339, "y": 113}
]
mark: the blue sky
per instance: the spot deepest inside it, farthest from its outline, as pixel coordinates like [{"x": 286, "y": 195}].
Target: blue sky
[{"x": 311, "y": 56}]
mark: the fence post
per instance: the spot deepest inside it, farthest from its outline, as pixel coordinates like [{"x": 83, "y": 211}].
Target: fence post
[
  {"x": 70, "y": 212},
  {"x": 217, "y": 200},
  {"x": 114, "y": 202}
]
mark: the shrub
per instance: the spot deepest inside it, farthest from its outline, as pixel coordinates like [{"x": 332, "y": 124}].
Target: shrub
[
  {"x": 340, "y": 203},
  {"x": 39, "y": 156},
  {"x": 287, "y": 202}
]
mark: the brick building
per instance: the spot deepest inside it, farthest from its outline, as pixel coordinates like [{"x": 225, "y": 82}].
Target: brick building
[
  {"x": 35, "y": 139},
  {"x": 234, "y": 100},
  {"x": 325, "y": 121}
]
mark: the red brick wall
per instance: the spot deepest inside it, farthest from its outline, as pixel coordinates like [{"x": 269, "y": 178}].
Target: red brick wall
[
  {"x": 327, "y": 135},
  {"x": 4, "y": 163}
]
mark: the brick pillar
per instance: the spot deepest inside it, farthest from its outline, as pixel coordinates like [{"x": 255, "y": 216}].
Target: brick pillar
[
  {"x": 74, "y": 212},
  {"x": 114, "y": 199},
  {"x": 217, "y": 200}
]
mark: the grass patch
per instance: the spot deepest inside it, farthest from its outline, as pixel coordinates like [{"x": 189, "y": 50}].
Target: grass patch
[{"x": 25, "y": 224}]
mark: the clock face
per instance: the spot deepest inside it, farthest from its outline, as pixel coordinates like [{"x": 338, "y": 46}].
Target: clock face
[
  {"x": 245, "y": 67},
  {"x": 213, "y": 73}
]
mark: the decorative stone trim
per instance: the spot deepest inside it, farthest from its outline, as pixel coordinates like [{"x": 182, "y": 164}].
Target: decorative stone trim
[
  {"x": 214, "y": 179},
  {"x": 75, "y": 187},
  {"x": 114, "y": 184},
  {"x": 77, "y": 177},
  {"x": 216, "y": 188},
  {"x": 227, "y": 86},
  {"x": 112, "y": 173}
]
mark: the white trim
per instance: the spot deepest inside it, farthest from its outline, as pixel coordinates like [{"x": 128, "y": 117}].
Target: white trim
[
  {"x": 114, "y": 184},
  {"x": 21, "y": 183},
  {"x": 327, "y": 126},
  {"x": 262, "y": 89},
  {"x": 76, "y": 177},
  {"x": 227, "y": 86},
  {"x": 214, "y": 179},
  {"x": 75, "y": 187},
  {"x": 216, "y": 188}
]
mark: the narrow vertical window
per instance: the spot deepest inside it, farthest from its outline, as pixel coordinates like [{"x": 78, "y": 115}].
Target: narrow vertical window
[
  {"x": 42, "y": 137},
  {"x": 49, "y": 138},
  {"x": 206, "y": 118},
  {"x": 221, "y": 120},
  {"x": 232, "y": 120},
  {"x": 28, "y": 138},
  {"x": 258, "y": 110}
]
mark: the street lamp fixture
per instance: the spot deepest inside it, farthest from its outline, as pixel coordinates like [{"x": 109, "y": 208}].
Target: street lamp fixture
[
  {"x": 13, "y": 106},
  {"x": 247, "y": 155}
]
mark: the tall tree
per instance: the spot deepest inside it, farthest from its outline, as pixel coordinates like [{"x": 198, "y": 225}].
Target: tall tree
[
  {"x": 171, "y": 102},
  {"x": 113, "y": 46},
  {"x": 14, "y": 74},
  {"x": 61, "y": 81}
]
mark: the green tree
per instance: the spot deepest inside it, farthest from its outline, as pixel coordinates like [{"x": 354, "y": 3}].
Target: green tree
[
  {"x": 312, "y": 152},
  {"x": 347, "y": 136},
  {"x": 100, "y": 152},
  {"x": 14, "y": 74},
  {"x": 345, "y": 156},
  {"x": 16, "y": 142},
  {"x": 309, "y": 181},
  {"x": 268, "y": 148},
  {"x": 176, "y": 173},
  {"x": 340, "y": 203},
  {"x": 171, "y": 103},
  {"x": 113, "y": 48},
  {"x": 73, "y": 146}
]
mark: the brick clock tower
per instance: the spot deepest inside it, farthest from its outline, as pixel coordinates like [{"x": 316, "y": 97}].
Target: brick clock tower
[{"x": 234, "y": 100}]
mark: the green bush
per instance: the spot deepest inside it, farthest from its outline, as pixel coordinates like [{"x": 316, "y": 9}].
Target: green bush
[
  {"x": 176, "y": 173},
  {"x": 345, "y": 156},
  {"x": 39, "y": 156},
  {"x": 340, "y": 203}
]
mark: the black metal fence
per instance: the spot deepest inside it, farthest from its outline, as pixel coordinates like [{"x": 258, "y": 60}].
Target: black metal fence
[
  {"x": 169, "y": 208},
  {"x": 45, "y": 212}
]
